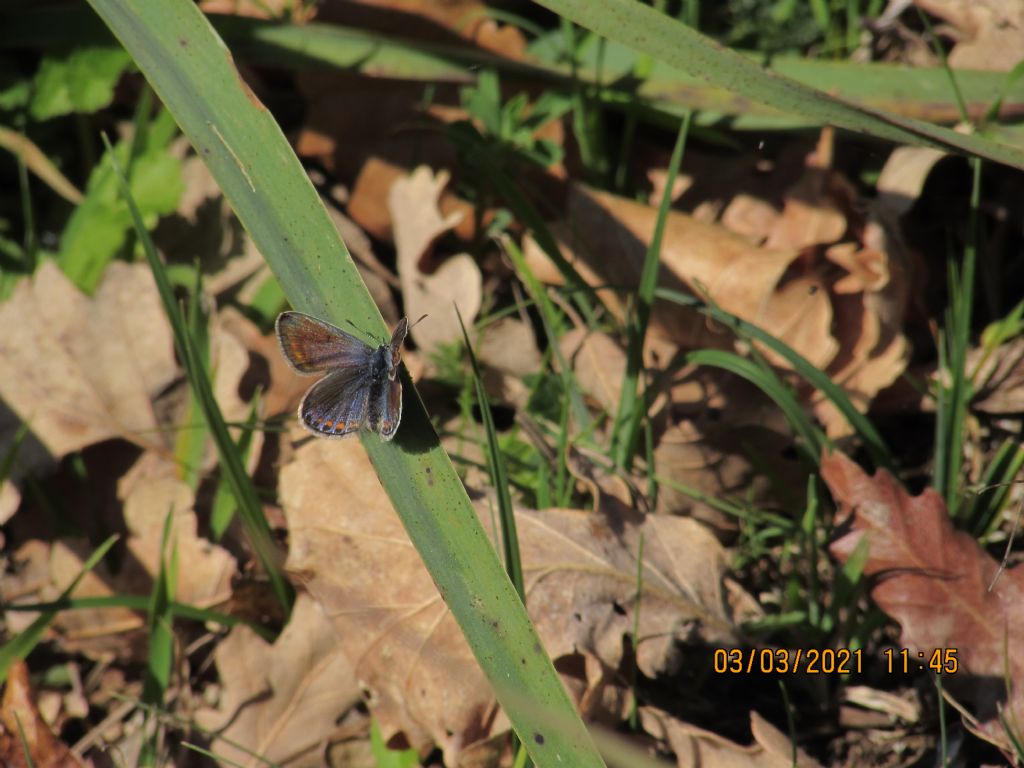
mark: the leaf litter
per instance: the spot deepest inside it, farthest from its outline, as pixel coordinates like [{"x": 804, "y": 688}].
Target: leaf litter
[{"x": 791, "y": 244}]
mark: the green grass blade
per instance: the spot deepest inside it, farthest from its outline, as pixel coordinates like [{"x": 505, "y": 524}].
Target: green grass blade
[
  {"x": 159, "y": 621},
  {"x": 632, "y": 403},
  {"x": 888, "y": 94},
  {"x": 873, "y": 441},
  {"x": 20, "y": 646},
  {"x": 188, "y": 66},
  {"x": 389, "y": 758},
  {"x": 808, "y": 527},
  {"x": 645, "y": 30},
  {"x": 231, "y": 462},
  {"x": 160, "y": 628},
  {"x": 224, "y": 505},
  {"x": 908, "y": 91},
  {"x": 526, "y": 212},
  {"x": 982, "y": 513},
  {"x": 811, "y": 438},
  {"x": 499, "y": 475},
  {"x": 954, "y": 388},
  {"x": 141, "y": 603},
  {"x": 552, "y": 323},
  {"x": 190, "y": 443}
]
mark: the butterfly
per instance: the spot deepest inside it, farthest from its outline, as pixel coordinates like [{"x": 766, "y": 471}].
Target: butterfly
[{"x": 361, "y": 389}]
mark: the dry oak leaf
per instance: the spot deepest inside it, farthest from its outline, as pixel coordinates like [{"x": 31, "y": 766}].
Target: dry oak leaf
[
  {"x": 599, "y": 364},
  {"x": 697, "y": 748},
  {"x": 282, "y": 701},
  {"x": 507, "y": 351},
  {"x": 902, "y": 178},
  {"x": 606, "y": 237},
  {"x": 990, "y": 32},
  {"x": 78, "y": 369},
  {"x": 999, "y": 380},
  {"x": 812, "y": 213},
  {"x": 149, "y": 491},
  {"x": 712, "y": 456},
  {"x": 945, "y": 591},
  {"x": 25, "y": 738},
  {"x": 348, "y": 547},
  {"x": 870, "y": 303},
  {"x": 429, "y": 290}
]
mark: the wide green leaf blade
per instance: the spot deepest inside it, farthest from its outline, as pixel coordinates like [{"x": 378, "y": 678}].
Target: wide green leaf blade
[
  {"x": 192, "y": 72},
  {"x": 662, "y": 37}
]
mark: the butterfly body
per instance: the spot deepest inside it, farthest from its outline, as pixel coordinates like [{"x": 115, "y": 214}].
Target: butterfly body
[{"x": 361, "y": 388}]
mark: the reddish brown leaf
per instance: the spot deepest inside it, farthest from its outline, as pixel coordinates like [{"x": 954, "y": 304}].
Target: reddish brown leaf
[
  {"x": 945, "y": 591},
  {"x": 25, "y": 738}
]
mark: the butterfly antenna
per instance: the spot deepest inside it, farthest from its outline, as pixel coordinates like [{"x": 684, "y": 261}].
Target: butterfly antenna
[{"x": 424, "y": 317}]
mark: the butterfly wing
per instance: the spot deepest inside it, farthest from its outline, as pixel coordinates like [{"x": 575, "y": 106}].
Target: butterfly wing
[
  {"x": 386, "y": 405},
  {"x": 397, "y": 340},
  {"x": 386, "y": 413},
  {"x": 337, "y": 405},
  {"x": 311, "y": 346}
]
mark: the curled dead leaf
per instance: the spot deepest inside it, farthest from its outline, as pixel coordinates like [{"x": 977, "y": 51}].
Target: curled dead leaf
[{"x": 429, "y": 288}]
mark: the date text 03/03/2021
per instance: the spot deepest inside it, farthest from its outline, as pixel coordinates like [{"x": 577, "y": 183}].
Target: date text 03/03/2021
[{"x": 830, "y": 661}]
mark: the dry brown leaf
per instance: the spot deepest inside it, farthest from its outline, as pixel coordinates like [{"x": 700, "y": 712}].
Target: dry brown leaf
[
  {"x": 509, "y": 345},
  {"x": 430, "y": 288},
  {"x": 25, "y": 731},
  {"x": 812, "y": 212},
  {"x": 903, "y": 705},
  {"x": 658, "y": 177},
  {"x": 468, "y": 19},
  {"x": 599, "y": 364},
  {"x": 10, "y": 499},
  {"x": 278, "y": 10},
  {"x": 280, "y": 701},
  {"x": 609, "y": 237},
  {"x": 367, "y": 131},
  {"x": 1000, "y": 378},
  {"x": 204, "y": 223},
  {"x": 80, "y": 370},
  {"x": 149, "y": 491},
  {"x": 903, "y": 176},
  {"x": 229, "y": 362},
  {"x": 991, "y": 32},
  {"x": 507, "y": 351},
  {"x": 870, "y": 305},
  {"x": 750, "y": 216},
  {"x": 942, "y": 588},
  {"x": 697, "y": 748},
  {"x": 714, "y": 458},
  {"x": 349, "y": 547}
]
